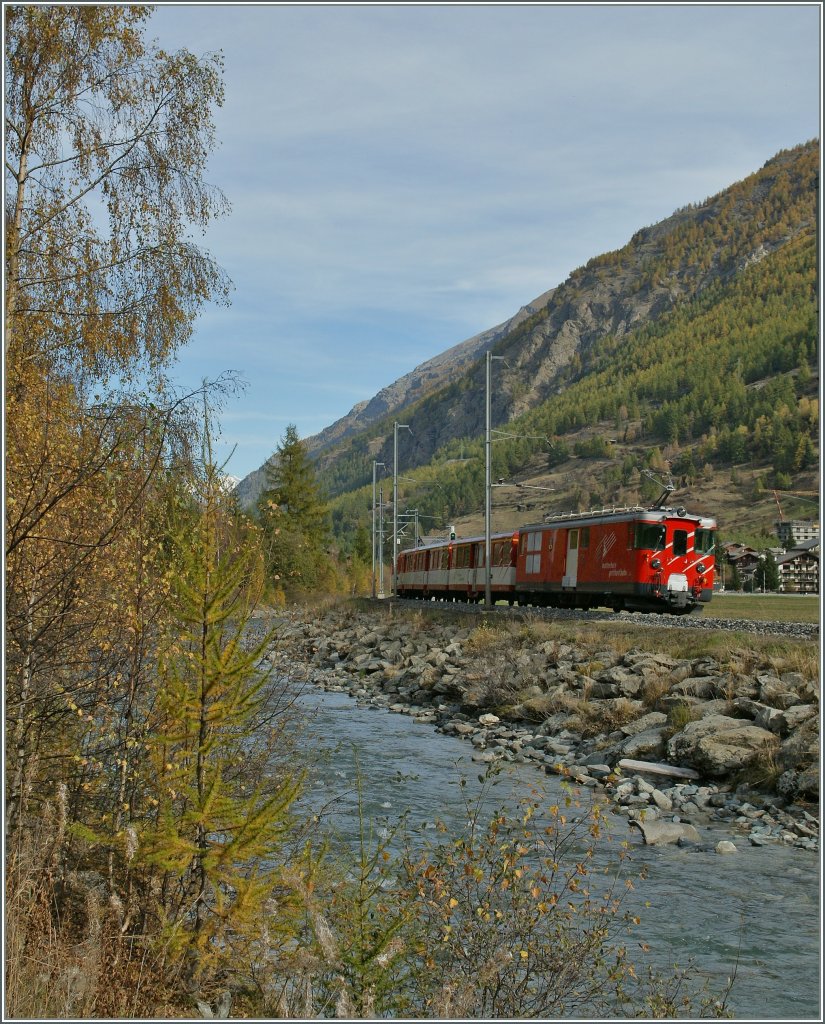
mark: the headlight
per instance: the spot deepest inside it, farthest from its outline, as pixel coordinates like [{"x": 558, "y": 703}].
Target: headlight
[
  {"x": 700, "y": 567},
  {"x": 655, "y": 564}
]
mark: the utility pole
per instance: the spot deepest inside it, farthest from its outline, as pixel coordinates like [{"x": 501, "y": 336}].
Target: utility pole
[
  {"x": 381, "y": 542},
  {"x": 375, "y": 464},
  {"x": 397, "y": 426},
  {"x": 488, "y": 490}
]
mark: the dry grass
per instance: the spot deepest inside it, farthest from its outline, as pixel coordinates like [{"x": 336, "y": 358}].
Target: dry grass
[
  {"x": 764, "y": 769},
  {"x": 679, "y": 716},
  {"x": 485, "y": 638},
  {"x": 590, "y": 718},
  {"x": 65, "y": 955},
  {"x": 653, "y": 689}
]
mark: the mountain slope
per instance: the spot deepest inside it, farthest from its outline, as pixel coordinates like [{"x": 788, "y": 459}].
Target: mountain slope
[
  {"x": 721, "y": 393},
  {"x": 546, "y": 346}
]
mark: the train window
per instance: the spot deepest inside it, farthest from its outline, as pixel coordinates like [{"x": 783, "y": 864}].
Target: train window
[
  {"x": 479, "y": 555},
  {"x": 584, "y": 537},
  {"x": 533, "y": 563},
  {"x": 680, "y": 539},
  {"x": 650, "y": 536},
  {"x": 704, "y": 541}
]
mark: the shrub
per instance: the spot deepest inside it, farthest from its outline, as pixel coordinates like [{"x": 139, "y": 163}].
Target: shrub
[{"x": 509, "y": 918}]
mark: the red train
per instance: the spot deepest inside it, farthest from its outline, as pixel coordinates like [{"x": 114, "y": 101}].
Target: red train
[{"x": 656, "y": 559}]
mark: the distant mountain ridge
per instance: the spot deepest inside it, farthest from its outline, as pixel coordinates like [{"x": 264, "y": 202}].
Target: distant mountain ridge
[
  {"x": 421, "y": 381},
  {"x": 396, "y": 397},
  {"x": 546, "y": 343}
]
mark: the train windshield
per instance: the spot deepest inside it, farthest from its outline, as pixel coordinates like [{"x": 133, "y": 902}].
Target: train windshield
[
  {"x": 650, "y": 536},
  {"x": 704, "y": 541}
]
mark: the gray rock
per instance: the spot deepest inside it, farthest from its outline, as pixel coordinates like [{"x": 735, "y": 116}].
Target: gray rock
[
  {"x": 771, "y": 719},
  {"x": 726, "y": 846},
  {"x": 662, "y": 801},
  {"x": 660, "y": 833},
  {"x": 695, "y": 686},
  {"x": 799, "y": 713},
  {"x": 652, "y": 720},
  {"x": 776, "y": 693},
  {"x": 485, "y": 756},
  {"x": 598, "y": 691},
  {"x": 719, "y": 745},
  {"x": 649, "y": 745}
]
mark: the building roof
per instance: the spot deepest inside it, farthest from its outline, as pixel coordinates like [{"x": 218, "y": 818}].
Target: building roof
[{"x": 790, "y": 556}]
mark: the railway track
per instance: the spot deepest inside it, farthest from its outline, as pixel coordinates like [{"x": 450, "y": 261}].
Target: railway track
[{"x": 794, "y": 630}]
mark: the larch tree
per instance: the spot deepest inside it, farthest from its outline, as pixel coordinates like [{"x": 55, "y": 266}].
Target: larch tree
[{"x": 221, "y": 800}]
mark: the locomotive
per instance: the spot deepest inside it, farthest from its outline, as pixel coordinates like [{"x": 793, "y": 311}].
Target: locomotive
[{"x": 653, "y": 559}]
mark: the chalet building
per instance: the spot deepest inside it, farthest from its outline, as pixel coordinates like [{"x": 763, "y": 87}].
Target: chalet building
[
  {"x": 798, "y": 568},
  {"x": 798, "y": 572},
  {"x": 745, "y": 558}
]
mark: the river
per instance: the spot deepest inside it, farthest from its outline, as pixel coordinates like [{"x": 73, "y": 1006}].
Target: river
[{"x": 757, "y": 909}]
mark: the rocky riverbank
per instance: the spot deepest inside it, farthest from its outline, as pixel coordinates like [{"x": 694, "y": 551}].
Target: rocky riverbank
[{"x": 677, "y": 744}]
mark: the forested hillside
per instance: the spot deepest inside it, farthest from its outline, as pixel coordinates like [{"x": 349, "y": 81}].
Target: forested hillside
[{"x": 691, "y": 350}]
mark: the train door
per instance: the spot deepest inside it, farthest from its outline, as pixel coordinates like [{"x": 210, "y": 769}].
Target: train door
[
  {"x": 477, "y": 571},
  {"x": 571, "y": 565}
]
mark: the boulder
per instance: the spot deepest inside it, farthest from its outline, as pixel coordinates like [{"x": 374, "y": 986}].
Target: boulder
[
  {"x": 626, "y": 683},
  {"x": 696, "y": 686},
  {"x": 662, "y": 801},
  {"x": 647, "y": 744},
  {"x": 799, "y": 713},
  {"x": 801, "y": 748},
  {"x": 719, "y": 745},
  {"x": 652, "y": 720},
  {"x": 661, "y": 833},
  {"x": 599, "y": 691},
  {"x": 725, "y": 846},
  {"x": 775, "y": 692}
]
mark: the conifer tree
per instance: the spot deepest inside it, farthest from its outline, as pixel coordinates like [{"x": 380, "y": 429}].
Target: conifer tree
[
  {"x": 294, "y": 519},
  {"x": 217, "y": 829}
]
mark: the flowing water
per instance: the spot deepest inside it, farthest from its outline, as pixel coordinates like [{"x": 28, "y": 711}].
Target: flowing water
[{"x": 756, "y": 911}]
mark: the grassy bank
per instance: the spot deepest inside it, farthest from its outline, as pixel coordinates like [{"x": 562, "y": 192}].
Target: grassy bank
[
  {"x": 737, "y": 650},
  {"x": 764, "y": 607}
]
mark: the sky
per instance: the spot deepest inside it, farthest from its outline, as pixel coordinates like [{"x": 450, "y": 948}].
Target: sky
[{"x": 403, "y": 177}]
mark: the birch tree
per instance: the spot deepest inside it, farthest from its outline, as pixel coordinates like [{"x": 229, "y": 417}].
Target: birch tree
[{"x": 107, "y": 139}]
